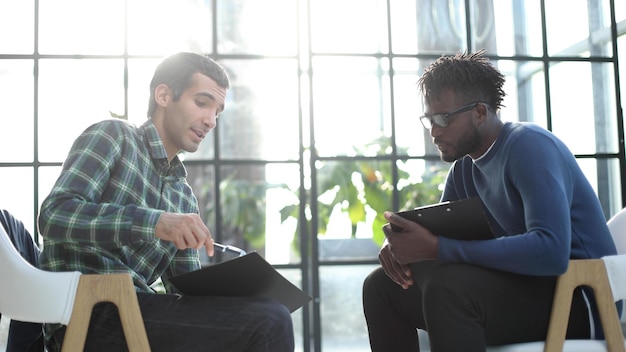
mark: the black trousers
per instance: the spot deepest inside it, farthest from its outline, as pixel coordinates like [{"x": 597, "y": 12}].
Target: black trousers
[{"x": 464, "y": 308}]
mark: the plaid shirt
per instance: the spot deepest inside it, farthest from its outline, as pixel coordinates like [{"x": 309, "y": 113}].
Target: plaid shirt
[{"x": 101, "y": 214}]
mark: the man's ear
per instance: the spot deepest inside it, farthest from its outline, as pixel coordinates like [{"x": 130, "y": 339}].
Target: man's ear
[
  {"x": 162, "y": 94},
  {"x": 481, "y": 112}
]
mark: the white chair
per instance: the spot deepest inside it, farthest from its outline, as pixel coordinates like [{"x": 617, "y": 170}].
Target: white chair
[
  {"x": 607, "y": 278},
  {"x": 33, "y": 295}
]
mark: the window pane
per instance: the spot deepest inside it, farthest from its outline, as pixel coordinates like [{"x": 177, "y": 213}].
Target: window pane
[
  {"x": 517, "y": 27},
  {"x": 428, "y": 27},
  {"x": 81, "y": 27},
  {"x": 420, "y": 182},
  {"x": 343, "y": 327},
  {"x": 17, "y": 18},
  {"x": 253, "y": 27},
  {"x": 16, "y": 188},
  {"x": 351, "y": 106},
  {"x": 585, "y": 31},
  {"x": 163, "y": 27},
  {"x": 366, "y": 31},
  {"x": 282, "y": 237},
  {"x": 251, "y": 197},
  {"x": 295, "y": 277},
  {"x": 411, "y": 137},
  {"x": 525, "y": 98},
  {"x": 604, "y": 176},
  {"x": 584, "y": 117},
  {"x": 201, "y": 178},
  {"x": 47, "y": 178},
  {"x": 16, "y": 90},
  {"x": 74, "y": 94},
  {"x": 352, "y": 196},
  {"x": 261, "y": 118},
  {"x": 140, "y": 72},
  {"x": 404, "y": 26}
]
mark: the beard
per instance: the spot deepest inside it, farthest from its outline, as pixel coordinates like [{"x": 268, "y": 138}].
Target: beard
[{"x": 468, "y": 143}]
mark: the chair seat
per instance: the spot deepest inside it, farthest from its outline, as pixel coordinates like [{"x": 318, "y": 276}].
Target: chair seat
[{"x": 569, "y": 346}]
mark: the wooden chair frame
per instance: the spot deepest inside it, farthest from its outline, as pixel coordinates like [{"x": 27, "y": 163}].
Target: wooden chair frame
[
  {"x": 591, "y": 273},
  {"x": 117, "y": 289}
]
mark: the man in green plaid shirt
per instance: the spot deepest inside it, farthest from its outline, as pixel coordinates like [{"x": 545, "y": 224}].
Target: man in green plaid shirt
[{"x": 122, "y": 204}]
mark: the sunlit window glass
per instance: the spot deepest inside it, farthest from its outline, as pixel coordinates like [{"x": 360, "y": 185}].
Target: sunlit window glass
[
  {"x": 517, "y": 27},
  {"x": 268, "y": 27},
  {"x": 163, "y": 27},
  {"x": 81, "y": 27},
  {"x": 17, "y": 27},
  {"x": 584, "y": 31},
  {"x": 583, "y": 103},
  {"x": 74, "y": 94},
  {"x": 140, "y": 73},
  {"x": 411, "y": 137},
  {"x": 260, "y": 120},
  {"x": 365, "y": 32},
  {"x": 16, "y": 90},
  {"x": 350, "y": 105},
  {"x": 16, "y": 195}
]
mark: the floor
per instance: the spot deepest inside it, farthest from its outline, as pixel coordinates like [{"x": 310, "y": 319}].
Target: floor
[{"x": 4, "y": 328}]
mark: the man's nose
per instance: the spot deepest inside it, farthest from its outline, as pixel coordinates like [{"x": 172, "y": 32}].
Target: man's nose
[
  {"x": 210, "y": 120},
  {"x": 435, "y": 130}
]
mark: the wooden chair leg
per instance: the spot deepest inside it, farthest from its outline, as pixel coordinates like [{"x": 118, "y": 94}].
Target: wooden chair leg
[
  {"x": 591, "y": 273},
  {"x": 117, "y": 289}
]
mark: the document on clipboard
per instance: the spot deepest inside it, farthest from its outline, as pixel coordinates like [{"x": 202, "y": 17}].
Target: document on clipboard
[
  {"x": 463, "y": 219},
  {"x": 246, "y": 276}
]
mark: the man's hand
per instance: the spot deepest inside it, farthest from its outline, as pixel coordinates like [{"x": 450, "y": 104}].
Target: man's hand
[
  {"x": 414, "y": 244},
  {"x": 399, "y": 273},
  {"x": 185, "y": 230}
]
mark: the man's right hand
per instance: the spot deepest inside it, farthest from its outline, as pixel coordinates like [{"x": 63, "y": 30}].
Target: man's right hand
[
  {"x": 399, "y": 273},
  {"x": 185, "y": 230}
]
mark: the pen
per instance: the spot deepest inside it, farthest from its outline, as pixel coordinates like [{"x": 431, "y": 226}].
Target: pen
[{"x": 228, "y": 249}]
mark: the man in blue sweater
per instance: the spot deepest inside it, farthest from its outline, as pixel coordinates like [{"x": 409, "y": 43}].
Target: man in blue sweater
[{"x": 544, "y": 212}]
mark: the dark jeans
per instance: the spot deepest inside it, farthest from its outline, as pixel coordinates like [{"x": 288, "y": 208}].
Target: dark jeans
[
  {"x": 463, "y": 307},
  {"x": 186, "y": 323}
]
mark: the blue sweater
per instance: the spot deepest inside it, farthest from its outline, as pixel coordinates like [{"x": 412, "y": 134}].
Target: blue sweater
[{"x": 541, "y": 206}]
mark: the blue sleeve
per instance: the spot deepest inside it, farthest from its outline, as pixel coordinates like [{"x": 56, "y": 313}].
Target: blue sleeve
[{"x": 530, "y": 198}]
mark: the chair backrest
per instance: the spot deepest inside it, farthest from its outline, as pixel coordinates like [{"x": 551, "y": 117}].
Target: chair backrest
[
  {"x": 617, "y": 226},
  {"x": 616, "y": 272},
  {"x": 30, "y": 294}
]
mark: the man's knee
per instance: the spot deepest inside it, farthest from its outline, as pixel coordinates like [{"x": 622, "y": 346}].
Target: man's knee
[
  {"x": 375, "y": 285},
  {"x": 277, "y": 318},
  {"x": 374, "y": 280},
  {"x": 447, "y": 286},
  {"x": 276, "y": 329}
]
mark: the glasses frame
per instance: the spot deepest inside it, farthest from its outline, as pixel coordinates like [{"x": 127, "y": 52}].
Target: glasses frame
[{"x": 441, "y": 120}]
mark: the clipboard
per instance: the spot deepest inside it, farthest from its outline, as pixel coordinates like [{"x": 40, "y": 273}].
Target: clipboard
[
  {"x": 463, "y": 219},
  {"x": 247, "y": 276}
]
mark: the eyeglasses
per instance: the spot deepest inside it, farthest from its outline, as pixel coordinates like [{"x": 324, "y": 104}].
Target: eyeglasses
[{"x": 441, "y": 120}]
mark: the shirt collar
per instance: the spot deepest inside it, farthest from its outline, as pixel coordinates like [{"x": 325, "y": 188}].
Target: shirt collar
[{"x": 158, "y": 153}]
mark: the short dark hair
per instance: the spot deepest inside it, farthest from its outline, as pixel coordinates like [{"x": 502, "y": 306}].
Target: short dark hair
[
  {"x": 176, "y": 72},
  {"x": 470, "y": 75}
]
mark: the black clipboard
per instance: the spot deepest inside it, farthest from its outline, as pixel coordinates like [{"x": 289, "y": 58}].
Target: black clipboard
[
  {"x": 247, "y": 276},
  {"x": 463, "y": 219}
]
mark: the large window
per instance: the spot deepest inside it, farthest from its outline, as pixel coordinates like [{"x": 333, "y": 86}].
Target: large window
[{"x": 320, "y": 133}]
